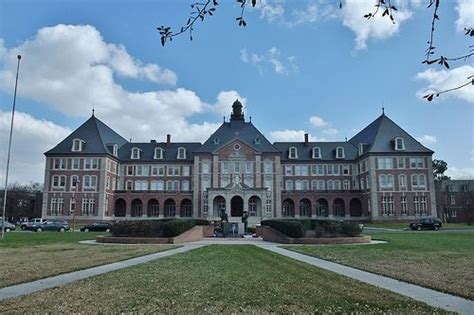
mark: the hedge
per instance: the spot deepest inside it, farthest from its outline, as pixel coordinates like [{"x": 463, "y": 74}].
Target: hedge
[
  {"x": 152, "y": 228},
  {"x": 322, "y": 228},
  {"x": 291, "y": 228},
  {"x": 201, "y": 222}
]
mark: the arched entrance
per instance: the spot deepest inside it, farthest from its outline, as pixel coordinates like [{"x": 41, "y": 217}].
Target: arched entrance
[
  {"x": 288, "y": 209},
  {"x": 137, "y": 208},
  {"x": 186, "y": 208},
  {"x": 170, "y": 208},
  {"x": 255, "y": 206},
  {"x": 236, "y": 206},
  {"x": 305, "y": 208},
  {"x": 355, "y": 207},
  {"x": 338, "y": 208},
  {"x": 218, "y": 205},
  {"x": 322, "y": 208},
  {"x": 153, "y": 209},
  {"x": 120, "y": 209}
]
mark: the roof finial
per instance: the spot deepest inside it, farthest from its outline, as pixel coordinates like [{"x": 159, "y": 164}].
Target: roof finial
[
  {"x": 250, "y": 118},
  {"x": 93, "y": 109},
  {"x": 383, "y": 109},
  {"x": 223, "y": 117}
]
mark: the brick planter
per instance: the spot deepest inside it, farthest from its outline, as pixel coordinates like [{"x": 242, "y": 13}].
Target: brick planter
[
  {"x": 208, "y": 230},
  {"x": 192, "y": 235},
  {"x": 271, "y": 235}
]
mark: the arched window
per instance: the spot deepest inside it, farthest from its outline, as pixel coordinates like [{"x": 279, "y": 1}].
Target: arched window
[
  {"x": 257, "y": 140},
  {"x": 135, "y": 154},
  {"x": 316, "y": 153},
  {"x": 115, "y": 150},
  {"x": 181, "y": 153},
  {"x": 293, "y": 153},
  {"x": 158, "y": 154},
  {"x": 340, "y": 153},
  {"x": 217, "y": 141},
  {"x": 77, "y": 145},
  {"x": 399, "y": 144}
]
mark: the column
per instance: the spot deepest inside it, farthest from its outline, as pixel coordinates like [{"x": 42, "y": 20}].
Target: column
[
  {"x": 258, "y": 171},
  {"x": 215, "y": 171},
  {"x": 196, "y": 188},
  {"x": 277, "y": 188},
  {"x": 374, "y": 214}
]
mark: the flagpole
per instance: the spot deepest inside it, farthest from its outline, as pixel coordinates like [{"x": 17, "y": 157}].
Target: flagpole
[{"x": 9, "y": 149}]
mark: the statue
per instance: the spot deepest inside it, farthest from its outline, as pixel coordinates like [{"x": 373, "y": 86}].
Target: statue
[
  {"x": 224, "y": 218},
  {"x": 245, "y": 217}
]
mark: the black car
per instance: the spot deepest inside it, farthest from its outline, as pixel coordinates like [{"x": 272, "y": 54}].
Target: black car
[
  {"x": 97, "y": 227},
  {"x": 427, "y": 224},
  {"x": 50, "y": 225}
]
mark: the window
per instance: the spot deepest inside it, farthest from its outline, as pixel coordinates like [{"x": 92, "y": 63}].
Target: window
[
  {"x": 423, "y": 207},
  {"x": 399, "y": 144},
  {"x": 330, "y": 185},
  {"x": 416, "y": 202},
  {"x": 452, "y": 200},
  {"x": 268, "y": 207},
  {"x": 384, "y": 163},
  {"x": 115, "y": 150},
  {"x": 248, "y": 167},
  {"x": 186, "y": 170},
  {"x": 89, "y": 181},
  {"x": 206, "y": 182},
  {"x": 158, "y": 154},
  {"x": 317, "y": 169},
  {"x": 288, "y": 185},
  {"x": 298, "y": 185},
  {"x": 77, "y": 145},
  {"x": 402, "y": 182},
  {"x": 237, "y": 167},
  {"x": 60, "y": 164},
  {"x": 387, "y": 205},
  {"x": 418, "y": 181},
  {"x": 333, "y": 169},
  {"x": 74, "y": 182},
  {"x": 216, "y": 141},
  {"x": 288, "y": 170},
  {"x": 361, "y": 148},
  {"x": 185, "y": 185},
  {"x": 346, "y": 185},
  {"x": 88, "y": 207},
  {"x": 225, "y": 167},
  {"x": 56, "y": 207},
  {"x": 386, "y": 181},
  {"x": 293, "y": 153},
  {"x": 75, "y": 164},
  {"x": 135, "y": 154},
  {"x": 346, "y": 169},
  {"x": 401, "y": 162},
  {"x": 403, "y": 205},
  {"x": 173, "y": 170},
  {"x": 225, "y": 180},
  {"x": 257, "y": 140},
  {"x": 91, "y": 164},
  {"x": 340, "y": 153},
  {"x": 337, "y": 185},
  {"x": 418, "y": 162},
  {"x": 316, "y": 153},
  {"x": 301, "y": 170},
  {"x": 181, "y": 153},
  {"x": 268, "y": 167},
  {"x": 59, "y": 181},
  {"x": 367, "y": 182},
  {"x": 205, "y": 167}
]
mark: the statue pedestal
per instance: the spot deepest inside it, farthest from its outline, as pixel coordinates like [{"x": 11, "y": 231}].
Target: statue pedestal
[{"x": 233, "y": 229}]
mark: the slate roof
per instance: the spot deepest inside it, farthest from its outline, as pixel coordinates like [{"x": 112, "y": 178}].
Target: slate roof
[
  {"x": 305, "y": 153},
  {"x": 98, "y": 138},
  {"x": 170, "y": 152},
  {"x": 244, "y": 131},
  {"x": 379, "y": 135}
]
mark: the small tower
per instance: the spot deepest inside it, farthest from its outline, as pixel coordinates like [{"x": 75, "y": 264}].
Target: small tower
[{"x": 237, "y": 113}]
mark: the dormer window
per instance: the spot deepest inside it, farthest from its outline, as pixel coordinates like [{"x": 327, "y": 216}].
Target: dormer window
[
  {"x": 181, "y": 153},
  {"x": 340, "y": 153},
  {"x": 115, "y": 150},
  {"x": 399, "y": 144},
  {"x": 77, "y": 145},
  {"x": 158, "y": 154},
  {"x": 257, "y": 140},
  {"x": 316, "y": 153},
  {"x": 361, "y": 148},
  {"x": 217, "y": 141},
  {"x": 293, "y": 153},
  {"x": 135, "y": 154}
]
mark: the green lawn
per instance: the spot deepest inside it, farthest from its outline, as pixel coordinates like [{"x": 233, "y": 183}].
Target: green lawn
[
  {"x": 215, "y": 279},
  {"x": 27, "y": 256},
  {"x": 401, "y": 226},
  {"x": 442, "y": 261}
]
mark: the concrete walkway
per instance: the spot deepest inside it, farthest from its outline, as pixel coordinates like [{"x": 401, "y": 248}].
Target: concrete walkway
[
  {"x": 56, "y": 281},
  {"x": 431, "y": 297}
]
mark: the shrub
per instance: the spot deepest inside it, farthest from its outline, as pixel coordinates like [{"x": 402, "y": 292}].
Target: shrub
[
  {"x": 350, "y": 228},
  {"x": 176, "y": 227},
  {"x": 201, "y": 222},
  {"x": 139, "y": 228},
  {"x": 251, "y": 229},
  {"x": 291, "y": 228}
]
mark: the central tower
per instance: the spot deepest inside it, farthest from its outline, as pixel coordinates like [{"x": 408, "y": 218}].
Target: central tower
[{"x": 237, "y": 114}]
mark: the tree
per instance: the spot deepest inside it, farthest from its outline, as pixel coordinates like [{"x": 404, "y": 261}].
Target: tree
[
  {"x": 385, "y": 8},
  {"x": 439, "y": 167}
]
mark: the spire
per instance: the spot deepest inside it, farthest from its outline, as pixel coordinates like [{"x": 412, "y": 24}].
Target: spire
[
  {"x": 93, "y": 109},
  {"x": 237, "y": 113}
]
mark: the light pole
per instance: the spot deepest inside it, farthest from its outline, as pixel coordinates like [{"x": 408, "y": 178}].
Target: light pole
[
  {"x": 75, "y": 205},
  {"x": 9, "y": 148}
]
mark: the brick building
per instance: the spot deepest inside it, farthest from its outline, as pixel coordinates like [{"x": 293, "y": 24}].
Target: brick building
[
  {"x": 382, "y": 173},
  {"x": 455, "y": 200}
]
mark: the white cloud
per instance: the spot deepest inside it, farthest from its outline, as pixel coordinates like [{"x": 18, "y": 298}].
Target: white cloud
[
  {"x": 465, "y": 10},
  {"x": 71, "y": 68},
  {"x": 460, "y": 173},
  {"x": 352, "y": 15},
  {"x": 440, "y": 80},
  {"x": 311, "y": 14},
  {"x": 271, "y": 10},
  {"x": 31, "y": 138},
  {"x": 272, "y": 58},
  {"x": 318, "y": 122},
  {"x": 331, "y": 131},
  {"x": 224, "y": 101},
  {"x": 427, "y": 140},
  {"x": 289, "y": 135}
]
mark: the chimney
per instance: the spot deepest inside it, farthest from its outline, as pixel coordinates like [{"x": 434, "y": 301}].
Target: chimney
[
  {"x": 168, "y": 139},
  {"x": 305, "y": 139},
  {"x": 152, "y": 141}
]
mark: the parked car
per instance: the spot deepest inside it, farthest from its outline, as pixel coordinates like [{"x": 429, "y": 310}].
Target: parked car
[
  {"x": 426, "y": 224},
  {"x": 50, "y": 225},
  {"x": 8, "y": 226},
  {"x": 97, "y": 227},
  {"x": 26, "y": 224}
]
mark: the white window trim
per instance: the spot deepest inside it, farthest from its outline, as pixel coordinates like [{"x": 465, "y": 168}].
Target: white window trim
[
  {"x": 181, "y": 156},
  {"x": 318, "y": 156},
  {"x": 343, "y": 156},
  {"x": 158, "y": 155},
  {"x": 395, "y": 144},
  {"x": 295, "y": 151},
  {"x": 74, "y": 141},
  {"x": 135, "y": 149}
]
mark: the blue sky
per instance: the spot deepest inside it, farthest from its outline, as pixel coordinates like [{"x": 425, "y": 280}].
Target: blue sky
[{"x": 299, "y": 66}]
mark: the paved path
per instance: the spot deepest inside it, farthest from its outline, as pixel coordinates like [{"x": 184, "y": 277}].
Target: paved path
[
  {"x": 431, "y": 297},
  {"x": 42, "y": 284}
]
